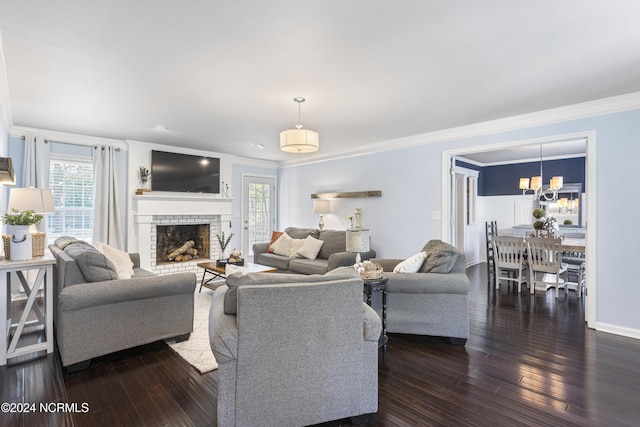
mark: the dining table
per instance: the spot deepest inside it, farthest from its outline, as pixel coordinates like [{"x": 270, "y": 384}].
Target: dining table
[{"x": 573, "y": 244}]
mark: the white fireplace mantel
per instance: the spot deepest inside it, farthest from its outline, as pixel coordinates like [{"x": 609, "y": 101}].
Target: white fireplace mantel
[
  {"x": 181, "y": 204},
  {"x": 149, "y": 204}
]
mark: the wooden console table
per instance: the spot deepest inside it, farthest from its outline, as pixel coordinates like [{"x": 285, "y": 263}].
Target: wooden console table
[{"x": 14, "y": 272}]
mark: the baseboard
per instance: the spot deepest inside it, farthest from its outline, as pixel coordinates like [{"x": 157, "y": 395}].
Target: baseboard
[{"x": 618, "y": 330}]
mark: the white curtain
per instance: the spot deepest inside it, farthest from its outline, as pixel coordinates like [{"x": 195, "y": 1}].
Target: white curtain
[
  {"x": 35, "y": 168},
  {"x": 107, "y": 224}
]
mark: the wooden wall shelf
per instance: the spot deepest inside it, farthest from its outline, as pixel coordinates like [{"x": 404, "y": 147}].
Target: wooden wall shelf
[{"x": 345, "y": 195}]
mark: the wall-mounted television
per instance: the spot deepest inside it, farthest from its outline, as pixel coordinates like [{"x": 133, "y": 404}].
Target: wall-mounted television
[{"x": 184, "y": 173}]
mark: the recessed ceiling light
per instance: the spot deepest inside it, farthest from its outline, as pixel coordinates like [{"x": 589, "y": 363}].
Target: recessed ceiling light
[
  {"x": 260, "y": 146},
  {"x": 160, "y": 128}
]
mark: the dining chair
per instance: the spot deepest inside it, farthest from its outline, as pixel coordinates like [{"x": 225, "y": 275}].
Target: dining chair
[
  {"x": 575, "y": 262},
  {"x": 491, "y": 231},
  {"x": 545, "y": 258},
  {"x": 510, "y": 256}
]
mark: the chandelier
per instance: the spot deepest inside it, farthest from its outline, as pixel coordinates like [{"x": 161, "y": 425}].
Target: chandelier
[
  {"x": 299, "y": 140},
  {"x": 534, "y": 185}
]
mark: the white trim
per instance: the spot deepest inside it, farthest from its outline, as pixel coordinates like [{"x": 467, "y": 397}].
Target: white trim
[
  {"x": 515, "y": 162},
  {"x": 618, "y": 330},
  {"x": 65, "y": 137},
  {"x": 615, "y": 104},
  {"x": 5, "y": 103},
  {"x": 590, "y": 224}
]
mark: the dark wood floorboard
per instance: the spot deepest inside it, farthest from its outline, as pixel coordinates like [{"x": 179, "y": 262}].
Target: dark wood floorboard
[{"x": 530, "y": 361}]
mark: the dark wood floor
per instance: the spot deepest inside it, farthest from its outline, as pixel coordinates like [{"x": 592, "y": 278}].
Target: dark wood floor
[{"x": 529, "y": 361}]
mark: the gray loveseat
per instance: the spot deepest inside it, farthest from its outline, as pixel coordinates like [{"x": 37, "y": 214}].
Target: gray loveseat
[
  {"x": 332, "y": 255},
  {"x": 294, "y": 350},
  {"x": 94, "y": 318},
  {"x": 430, "y": 303}
]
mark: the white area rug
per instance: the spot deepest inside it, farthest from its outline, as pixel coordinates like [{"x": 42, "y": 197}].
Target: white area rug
[{"x": 196, "y": 350}]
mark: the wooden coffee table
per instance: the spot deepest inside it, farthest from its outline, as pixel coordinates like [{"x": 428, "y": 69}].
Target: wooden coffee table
[{"x": 212, "y": 268}]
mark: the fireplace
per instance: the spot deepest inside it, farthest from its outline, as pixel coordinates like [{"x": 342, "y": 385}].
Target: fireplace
[
  {"x": 181, "y": 243},
  {"x": 190, "y": 216}
]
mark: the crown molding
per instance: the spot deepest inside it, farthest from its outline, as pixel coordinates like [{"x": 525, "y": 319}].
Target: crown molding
[
  {"x": 66, "y": 137},
  {"x": 5, "y": 104},
  {"x": 614, "y": 104}
]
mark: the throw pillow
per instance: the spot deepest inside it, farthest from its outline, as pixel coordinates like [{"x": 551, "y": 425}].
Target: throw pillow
[
  {"x": 310, "y": 248},
  {"x": 281, "y": 246},
  {"x": 96, "y": 267},
  {"x": 441, "y": 257},
  {"x": 411, "y": 264},
  {"x": 120, "y": 259},
  {"x": 274, "y": 236},
  {"x": 294, "y": 247}
]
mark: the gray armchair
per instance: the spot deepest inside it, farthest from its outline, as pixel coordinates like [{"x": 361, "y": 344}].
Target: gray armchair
[
  {"x": 433, "y": 301},
  {"x": 294, "y": 350},
  {"x": 94, "y": 318}
]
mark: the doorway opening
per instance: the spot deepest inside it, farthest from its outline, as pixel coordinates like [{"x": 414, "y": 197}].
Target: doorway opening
[{"x": 449, "y": 200}]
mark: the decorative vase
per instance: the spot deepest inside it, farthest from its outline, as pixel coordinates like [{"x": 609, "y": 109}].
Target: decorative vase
[{"x": 21, "y": 244}]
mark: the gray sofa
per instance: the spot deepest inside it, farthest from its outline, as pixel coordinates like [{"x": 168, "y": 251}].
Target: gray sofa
[
  {"x": 94, "y": 318},
  {"x": 332, "y": 255},
  {"x": 294, "y": 350},
  {"x": 434, "y": 303}
]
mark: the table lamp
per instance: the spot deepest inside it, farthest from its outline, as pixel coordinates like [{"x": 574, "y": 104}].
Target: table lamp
[
  {"x": 38, "y": 200},
  {"x": 321, "y": 206},
  {"x": 358, "y": 240}
]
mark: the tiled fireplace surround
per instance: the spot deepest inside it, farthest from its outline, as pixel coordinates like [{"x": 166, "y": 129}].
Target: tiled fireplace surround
[{"x": 153, "y": 210}]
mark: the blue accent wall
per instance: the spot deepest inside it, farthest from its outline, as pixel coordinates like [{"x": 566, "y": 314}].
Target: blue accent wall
[{"x": 503, "y": 180}]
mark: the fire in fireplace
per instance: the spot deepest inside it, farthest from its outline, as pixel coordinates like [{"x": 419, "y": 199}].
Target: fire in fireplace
[{"x": 179, "y": 243}]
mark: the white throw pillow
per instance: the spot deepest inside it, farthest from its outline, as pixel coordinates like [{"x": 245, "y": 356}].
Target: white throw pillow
[
  {"x": 310, "y": 247},
  {"x": 281, "y": 246},
  {"x": 294, "y": 247},
  {"x": 411, "y": 264},
  {"x": 119, "y": 258}
]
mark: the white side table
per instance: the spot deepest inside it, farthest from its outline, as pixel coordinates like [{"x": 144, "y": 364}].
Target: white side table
[{"x": 10, "y": 331}]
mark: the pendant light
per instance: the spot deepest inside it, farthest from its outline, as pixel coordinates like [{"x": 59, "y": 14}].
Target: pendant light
[
  {"x": 299, "y": 140},
  {"x": 535, "y": 185}
]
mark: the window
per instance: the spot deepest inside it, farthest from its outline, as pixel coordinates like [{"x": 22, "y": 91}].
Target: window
[{"x": 72, "y": 187}]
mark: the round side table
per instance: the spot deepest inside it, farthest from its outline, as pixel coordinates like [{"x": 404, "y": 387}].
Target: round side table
[{"x": 379, "y": 285}]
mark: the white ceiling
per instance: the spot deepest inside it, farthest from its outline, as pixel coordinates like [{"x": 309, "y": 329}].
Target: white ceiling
[{"x": 222, "y": 76}]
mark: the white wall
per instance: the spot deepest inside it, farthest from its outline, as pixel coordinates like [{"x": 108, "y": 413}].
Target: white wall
[{"x": 411, "y": 181}]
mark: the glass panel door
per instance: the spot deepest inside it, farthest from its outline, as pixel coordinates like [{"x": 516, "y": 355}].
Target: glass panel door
[{"x": 259, "y": 196}]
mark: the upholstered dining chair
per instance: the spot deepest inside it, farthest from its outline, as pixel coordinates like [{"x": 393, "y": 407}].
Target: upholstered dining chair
[
  {"x": 510, "y": 258},
  {"x": 545, "y": 259}
]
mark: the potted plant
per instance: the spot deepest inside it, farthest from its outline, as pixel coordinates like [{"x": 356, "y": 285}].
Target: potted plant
[
  {"x": 20, "y": 245},
  {"x": 143, "y": 176},
  {"x": 223, "y": 242}
]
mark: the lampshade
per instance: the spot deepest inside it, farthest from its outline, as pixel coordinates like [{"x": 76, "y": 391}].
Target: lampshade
[
  {"x": 321, "y": 206},
  {"x": 358, "y": 240},
  {"x": 38, "y": 200},
  {"x": 536, "y": 182},
  {"x": 524, "y": 183},
  {"x": 299, "y": 141},
  {"x": 556, "y": 182}
]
